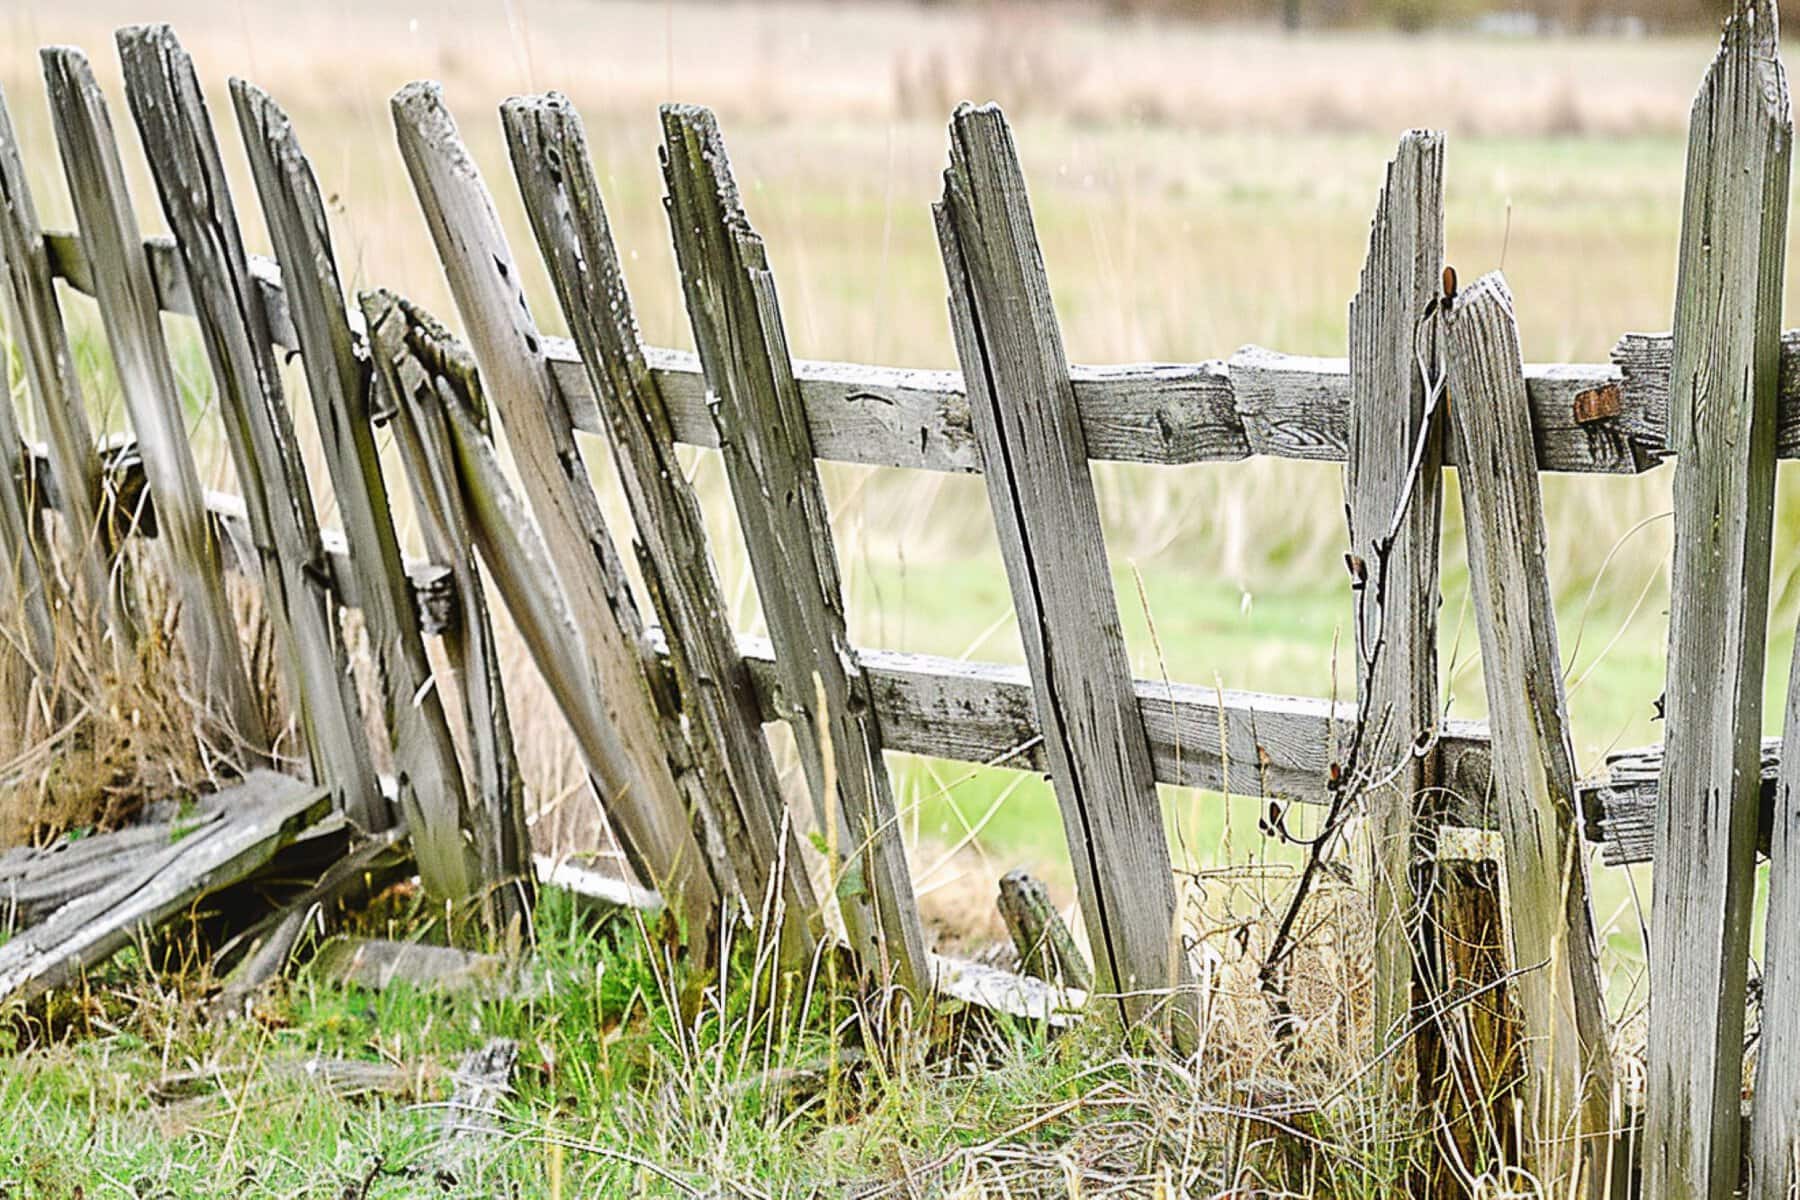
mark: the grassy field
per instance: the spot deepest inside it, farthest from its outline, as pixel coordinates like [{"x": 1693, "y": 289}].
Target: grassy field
[{"x": 1195, "y": 189}]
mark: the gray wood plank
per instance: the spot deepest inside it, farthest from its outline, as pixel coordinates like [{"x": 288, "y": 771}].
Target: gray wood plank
[
  {"x": 1393, "y": 495},
  {"x": 768, "y": 453},
  {"x": 125, "y": 289},
  {"x": 462, "y": 857},
  {"x": 176, "y": 131},
  {"x": 1034, "y": 452},
  {"x": 638, "y": 785},
  {"x": 1723, "y": 392},
  {"x": 1569, "y": 1087},
  {"x": 428, "y": 455},
  {"x": 100, "y": 596},
  {"x": 735, "y": 772},
  {"x": 266, "y": 812}
]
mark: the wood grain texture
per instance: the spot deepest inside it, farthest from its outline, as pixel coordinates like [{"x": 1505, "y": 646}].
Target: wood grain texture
[
  {"x": 735, "y": 778},
  {"x": 471, "y": 858},
  {"x": 1047, "y": 949},
  {"x": 634, "y": 772},
  {"x": 1722, "y": 421},
  {"x": 176, "y": 131},
  {"x": 1034, "y": 454},
  {"x": 1569, "y": 1087},
  {"x": 768, "y": 452},
  {"x": 122, "y": 283},
  {"x": 34, "y": 321},
  {"x": 1385, "y": 496}
]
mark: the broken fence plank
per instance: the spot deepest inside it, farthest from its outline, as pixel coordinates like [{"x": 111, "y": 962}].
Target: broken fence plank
[
  {"x": 119, "y": 270},
  {"x": 379, "y": 963},
  {"x": 1569, "y": 1088},
  {"x": 456, "y": 852},
  {"x": 735, "y": 772},
  {"x": 1042, "y": 496},
  {"x": 1046, "y": 948},
  {"x": 260, "y": 815},
  {"x": 1394, "y": 489},
  {"x": 1723, "y": 391},
  {"x": 769, "y": 461},
  {"x": 428, "y": 457},
  {"x": 638, "y": 785}
]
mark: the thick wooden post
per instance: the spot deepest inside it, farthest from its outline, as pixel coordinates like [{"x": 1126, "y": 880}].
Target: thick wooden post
[
  {"x": 184, "y": 159},
  {"x": 412, "y": 404},
  {"x": 636, "y": 778},
  {"x": 120, "y": 274},
  {"x": 462, "y": 856},
  {"x": 1569, "y": 1087},
  {"x": 739, "y": 782},
  {"x": 1727, "y": 345},
  {"x": 768, "y": 451},
  {"x": 1034, "y": 455},
  {"x": 1392, "y": 490},
  {"x": 28, "y": 292}
]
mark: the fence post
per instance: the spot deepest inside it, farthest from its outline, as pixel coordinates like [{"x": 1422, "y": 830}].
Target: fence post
[
  {"x": 1394, "y": 489},
  {"x": 768, "y": 452},
  {"x": 638, "y": 785},
  {"x": 740, "y": 783},
  {"x": 126, "y": 294},
  {"x": 461, "y": 856},
  {"x": 1034, "y": 456},
  {"x": 1722, "y": 399},
  {"x": 1569, "y": 1087},
  {"x": 190, "y": 178},
  {"x": 35, "y": 318},
  {"x": 422, "y": 435},
  {"x": 23, "y": 597}
]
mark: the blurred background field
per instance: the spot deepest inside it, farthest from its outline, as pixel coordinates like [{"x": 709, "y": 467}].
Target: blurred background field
[{"x": 1197, "y": 186}]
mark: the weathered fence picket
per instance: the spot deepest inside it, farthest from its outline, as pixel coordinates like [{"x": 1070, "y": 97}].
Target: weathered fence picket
[
  {"x": 28, "y": 296},
  {"x": 1393, "y": 496},
  {"x": 410, "y": 400},
  {"x": 448, "y": 840},
  {"x": 638, "y": 786},
  {"x": 562, "y": 198},
  {"x": 1569, "y": 1086},
  {"x": 1727, "y": 340},
  {"x": 1034, "y": 457},
  {"x": 767, "y": 447},
  {"x": 190, "y": 177},
  {"x": 119, "y": 271}
]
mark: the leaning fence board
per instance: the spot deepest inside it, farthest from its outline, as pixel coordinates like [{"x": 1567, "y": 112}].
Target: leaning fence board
[
  {"x": 768, "y": 453},
  {"x": 1569, "y": 1088},
  {"x": 262, "y": 814},
  {"x": 176, "y": 131},
  {"x": 34, "y": 320},
  {"x": 1393, "y": 494},
  {"x": 1775, "y": 1116},
  {"x": 1722, "y": 420},
  {"x": 638, "y": 786},
  {"x": 1048, "y": 519},
  {"x": 429, "y": 459},
  {"x": 122, "y": 284},
  {"x": 454, "y": 846},
  {"x": 24, "y": 581},
  {"x": 718, "y": 696}
]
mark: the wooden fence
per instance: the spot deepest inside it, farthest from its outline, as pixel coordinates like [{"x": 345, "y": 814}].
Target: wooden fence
[{"x": 669, "y": 714}]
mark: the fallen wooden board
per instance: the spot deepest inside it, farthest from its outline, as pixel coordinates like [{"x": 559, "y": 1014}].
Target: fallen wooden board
[
  {"x": 257, "y": 818},
  {"x": 378, "y": 963}
]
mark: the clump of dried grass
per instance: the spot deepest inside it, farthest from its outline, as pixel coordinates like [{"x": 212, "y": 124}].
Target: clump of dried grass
[{"x": 102, "y": 733}]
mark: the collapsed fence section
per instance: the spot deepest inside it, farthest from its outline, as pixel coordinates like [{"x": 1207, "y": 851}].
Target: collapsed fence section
[{"x": 668, "y": 716}]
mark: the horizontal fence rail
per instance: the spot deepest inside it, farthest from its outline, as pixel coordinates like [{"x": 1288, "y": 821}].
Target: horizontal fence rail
[{"x": 1592, "y": 418}]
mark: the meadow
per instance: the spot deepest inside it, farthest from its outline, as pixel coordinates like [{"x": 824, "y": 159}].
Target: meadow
[{"x": 1195, "y": 189}]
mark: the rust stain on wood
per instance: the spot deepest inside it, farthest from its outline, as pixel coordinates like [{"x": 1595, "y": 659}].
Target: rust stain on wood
[{"x": 1598, "y": 403}]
